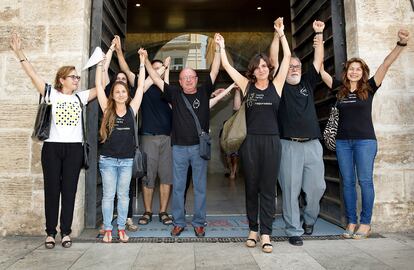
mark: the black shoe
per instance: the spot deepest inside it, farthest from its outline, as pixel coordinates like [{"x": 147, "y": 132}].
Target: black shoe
[
  {"x": 308, "y": 229},
  {"x": 296, "y": 241}
]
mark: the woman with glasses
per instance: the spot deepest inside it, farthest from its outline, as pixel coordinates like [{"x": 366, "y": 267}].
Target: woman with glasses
[
  {"x": 260, "y": 152},
  {"x": 117, "y": 152},
  {"x": 62, "y": 153},
  {"x": 356, "y": 143}
]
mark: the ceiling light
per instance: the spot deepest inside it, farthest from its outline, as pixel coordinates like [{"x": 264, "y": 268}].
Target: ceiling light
[
  {"x": 259, "y": 8},
  {"x": 137, "y": 5}
]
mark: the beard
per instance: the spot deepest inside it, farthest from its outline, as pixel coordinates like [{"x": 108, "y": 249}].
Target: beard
[{"x": 293, "y": 80}]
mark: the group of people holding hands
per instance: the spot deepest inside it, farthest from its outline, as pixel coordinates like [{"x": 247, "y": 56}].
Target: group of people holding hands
[{"x": 282, "y": 142}]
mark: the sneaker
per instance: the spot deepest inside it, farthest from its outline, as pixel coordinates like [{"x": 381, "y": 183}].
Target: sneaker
[{"x": 130, "y": 226}]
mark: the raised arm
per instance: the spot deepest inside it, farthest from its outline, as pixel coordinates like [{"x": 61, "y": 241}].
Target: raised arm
[
  {"x": 403, "y": 36},
  {"x": 326, "y": 78},
  {"x": 239, "y": 79},
  {"x": 274, "y": 50},
  {"x": 136, "y": 101},
  {"x": 215, "y": 66},
  {"x": 318, "y": 27},
  {"x": 280, "y": 78},
  {"x": 166, "y": 65},
  {"x": 99, "y": 86},
  {"x": 108, "y": 55},
  {"x": 122, "y": 62},
  {"x": 38, "y": 82},
  {"x": 156, "y": 78},
  {"x": 213, "y": 101}
]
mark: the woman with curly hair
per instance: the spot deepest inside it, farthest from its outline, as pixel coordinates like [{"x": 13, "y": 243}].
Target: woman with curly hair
[{"x": 356, "y": 144}]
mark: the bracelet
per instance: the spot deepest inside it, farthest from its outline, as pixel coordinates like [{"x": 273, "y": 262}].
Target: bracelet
[
  {"x": 141, "y": 66},
  {"x": 282, "y": 36},
  {"x": 22, "y": 60},
  {"x": 318, "y": 33},
  {"x": 111, "y": 49},
  {"x": 398, "y": 43}
]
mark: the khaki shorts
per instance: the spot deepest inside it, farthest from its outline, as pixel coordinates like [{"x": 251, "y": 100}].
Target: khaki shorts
[{"x": 159, "y": 159}]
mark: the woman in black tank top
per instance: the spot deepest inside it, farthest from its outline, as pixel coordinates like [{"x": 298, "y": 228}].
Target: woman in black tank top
[
  {"x": 117, "y": 136},
  {"x": 260, "y": 152}
]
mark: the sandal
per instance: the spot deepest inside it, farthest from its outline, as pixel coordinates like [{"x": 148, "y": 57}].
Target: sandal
[
  {"x": 252, "y": 241},
  {"x": 145, "y": 219},
  {"x": 107, "y": 236},
  {"x": 165, "y": 218},
  {"x": 123, "y": 237},
  {"x": 49, "y": 244},
  {"x": 66, "y": 243},
  {"x": 267, "y": 248}
]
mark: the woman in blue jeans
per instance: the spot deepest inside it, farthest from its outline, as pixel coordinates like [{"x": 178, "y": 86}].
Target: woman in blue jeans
[
  {"x": 118, "y": 146},
  {"x": 356, "y": 144}
]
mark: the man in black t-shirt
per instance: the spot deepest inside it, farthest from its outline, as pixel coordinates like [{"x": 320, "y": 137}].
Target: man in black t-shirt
[
  {"x": 301, "y": 166},
  {"x": 185, "y": 140}
]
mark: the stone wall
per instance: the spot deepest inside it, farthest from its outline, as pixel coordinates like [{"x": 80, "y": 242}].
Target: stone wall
[
  {"x": 54, "y": 33},
  {"x": 371, "y": 31}
]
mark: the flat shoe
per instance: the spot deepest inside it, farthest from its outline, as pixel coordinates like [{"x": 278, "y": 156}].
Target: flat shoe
[
  {"x": 361, "y": 235},
  {"x": 107, "y": 236},
  {"x": 267, "y": 248},
  {"x": 66, "y": 243},
  {"x": 347, "y": 234},
  {"x": 251, "y": 243},
  {"x": 50, "y": 244}
]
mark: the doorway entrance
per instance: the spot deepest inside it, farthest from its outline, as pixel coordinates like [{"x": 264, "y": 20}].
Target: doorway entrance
[{"x": 248, "y": 28}]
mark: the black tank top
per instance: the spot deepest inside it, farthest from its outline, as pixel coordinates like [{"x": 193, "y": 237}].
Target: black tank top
[
  {"x": 121, "y": 142},
  {"x": 261, "y": 110}
]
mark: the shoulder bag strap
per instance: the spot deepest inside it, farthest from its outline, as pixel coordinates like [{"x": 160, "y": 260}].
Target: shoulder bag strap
[
  {"x": 46, "y": 93},
  {"x": 85, "y": 140},
  {"x": 188, "y": 105},
  {"x": 247, "y": 91},
  {"x": 135, "y": 126}
]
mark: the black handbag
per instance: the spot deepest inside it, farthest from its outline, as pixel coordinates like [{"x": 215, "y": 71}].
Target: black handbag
[
  {"x": 85, "y": 143},
  {"x": 42, "y": 125},
  {"x": 331, "y": 128},
  {"x": 139, "y": 168},
  {"x": 205, "y": 139}
]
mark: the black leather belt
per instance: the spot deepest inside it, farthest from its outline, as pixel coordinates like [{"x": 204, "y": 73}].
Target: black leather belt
[{"x": 298, "y": 139}]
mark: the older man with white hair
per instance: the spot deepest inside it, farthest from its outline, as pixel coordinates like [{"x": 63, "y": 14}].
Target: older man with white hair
[{"x": 301, "y": 166}]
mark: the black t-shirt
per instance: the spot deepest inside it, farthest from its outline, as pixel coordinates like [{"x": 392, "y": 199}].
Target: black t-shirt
[
  {"x": 156, "y": 114},
  {"x": 121, "y": 142},
  {"x": 184, "y": 130},
  {"x": 297, "y": 114},
  {"x": 355, "y": 120},
  {"x": 261, "y": 110}
]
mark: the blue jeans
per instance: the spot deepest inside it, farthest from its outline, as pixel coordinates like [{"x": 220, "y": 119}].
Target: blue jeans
[
  {"x": 183, "y": 157},
  {"x": 359, "y": 156},
  {"x": 116, "y": 176}
]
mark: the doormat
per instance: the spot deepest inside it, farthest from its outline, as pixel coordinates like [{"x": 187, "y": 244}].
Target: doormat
[{"x": 220, "y": 228}]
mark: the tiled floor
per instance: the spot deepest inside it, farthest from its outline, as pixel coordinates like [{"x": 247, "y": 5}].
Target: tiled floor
[{"x": 396, "y": 251}]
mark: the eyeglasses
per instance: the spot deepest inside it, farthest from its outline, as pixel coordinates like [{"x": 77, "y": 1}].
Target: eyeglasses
[
  {"x": 74, "y": 77},
  {"x": 188, "y": 78},
  {"x": 295, "y": 66}
]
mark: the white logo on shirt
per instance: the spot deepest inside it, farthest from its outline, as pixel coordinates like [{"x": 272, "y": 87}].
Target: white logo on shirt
[
  {"x": 196, "y": 103},
  {"x": 304, "y": 91}
]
